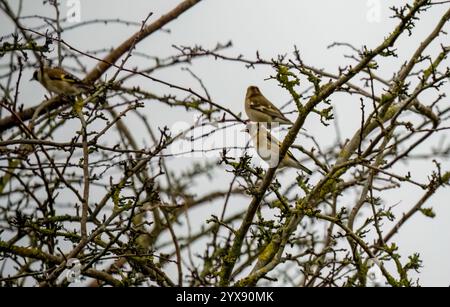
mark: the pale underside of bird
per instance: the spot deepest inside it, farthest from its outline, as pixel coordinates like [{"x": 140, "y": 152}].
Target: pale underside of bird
[
  {"x": 268, "y": 148},
  {"x": 57, "y": 80},
  {"x": 260, "y": 109}
]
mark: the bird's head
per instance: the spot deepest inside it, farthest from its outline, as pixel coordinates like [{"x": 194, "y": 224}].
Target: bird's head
[{"x": 253, "y": 90}]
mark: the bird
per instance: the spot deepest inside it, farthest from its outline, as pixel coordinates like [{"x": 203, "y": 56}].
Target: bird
[
  {"x": 260, "y": 109},
  {"x": 268, "y": 148},
  {"x": 58, "y": 81}
]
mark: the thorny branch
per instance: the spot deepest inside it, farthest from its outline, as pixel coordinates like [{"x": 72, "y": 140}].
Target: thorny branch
[{"x": 101, "y": 195}]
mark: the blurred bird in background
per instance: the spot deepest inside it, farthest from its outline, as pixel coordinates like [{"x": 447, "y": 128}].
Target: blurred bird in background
[{"x": 58, "y": 81}]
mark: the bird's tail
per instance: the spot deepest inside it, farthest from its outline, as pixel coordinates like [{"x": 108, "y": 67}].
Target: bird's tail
[
  {"x": 284, "y": 121},
  {"x": 88, "y": 88},
  {"x": 304, "y": 168}
]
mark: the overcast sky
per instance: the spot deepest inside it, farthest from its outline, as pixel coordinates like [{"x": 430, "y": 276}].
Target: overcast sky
[{"x": 272, "y": 27}]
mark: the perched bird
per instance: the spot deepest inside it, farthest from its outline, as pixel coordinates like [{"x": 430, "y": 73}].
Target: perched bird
[
  {"x": 260, "y": 109},
  {"x": 57, "y": 80},
  {"x": 268, "y": 148}
]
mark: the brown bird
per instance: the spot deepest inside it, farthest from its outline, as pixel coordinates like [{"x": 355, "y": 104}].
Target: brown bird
[
  {"x": 260, "y": 109},
  {"x": 57, "y": 80}
]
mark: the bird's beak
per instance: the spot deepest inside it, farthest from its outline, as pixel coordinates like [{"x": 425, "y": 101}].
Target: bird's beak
[{"x": 33, "y": 78}]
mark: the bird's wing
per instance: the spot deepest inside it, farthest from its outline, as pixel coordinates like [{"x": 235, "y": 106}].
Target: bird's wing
[
  {"x": 60, "y": 74},
  {"x": 262, "y": 104},
  {"x": 302, "y": 167},
  {"x": 273, "y": 140}
]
